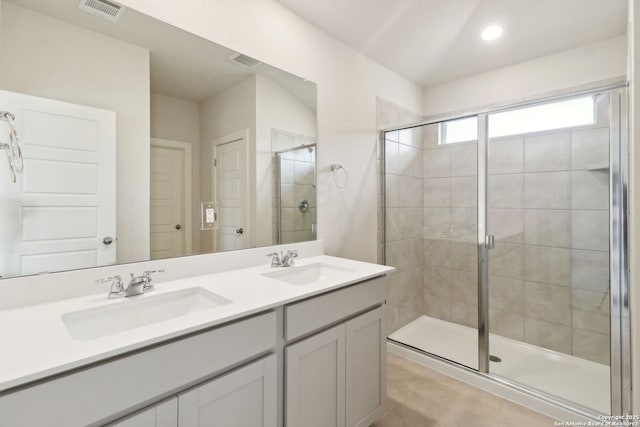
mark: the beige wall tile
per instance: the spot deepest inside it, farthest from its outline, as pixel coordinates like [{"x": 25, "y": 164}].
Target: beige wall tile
[
  {"x": 553, "y": 336},
  {"x": 590, "y": 311},
  {"x": 506, "y": 156},
  {"x": 408, "y": 160},
  {"x": 462, "y": 285},
  {"x": 547, "y": 190},
  {"x": 438, "y": 307},
  {"x": 436, "y": 192},
  {"x": 591, "y": 346},
  {"x": 547, "y": 152},
  {"x": 590, "y": 190},
  {"x": 506, "y": 294},
  {"x": 464, "y": 192},
  {"x": 464, "y": 159},
  {"x": 590, "y": 270},
  {"x": 409, "y": 253},
  {"x": 547, "y": 265},
  {"x": 464, "y": 314},
  {"x": 392, "y": 251},
  {"x": 507, "y": 225},
  {"x": 505, "y": 191},
  {"x": 506, "y": 324},
  {"x": 391, "y": 184},
  {"x": 589, "y": 148},
  {"x": 409, "y": 192},
  {"x": 507, "y": 260},
  {"x": 410, "y": 223},
  {"x": 391, "y": 219},
  {"x": 435, "y": 163},
  {"x": 436, "y": 223},
  {"x": 590, "y": 230},
  {"x": 436, "y": 252},
  {"x": 463, "y": 255},
  {"x": 463, "y": 224},
  {"x": 391, "y": 156},
  {"x": 547, "y": 228},
  {"x": 430, "y": 136},
  {"x": 547, "y": 302},
  {"x": 436, "y": 282}
]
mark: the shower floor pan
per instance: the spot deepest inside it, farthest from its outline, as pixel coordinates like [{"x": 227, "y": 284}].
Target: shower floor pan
[{"x": 571, "y": 378}]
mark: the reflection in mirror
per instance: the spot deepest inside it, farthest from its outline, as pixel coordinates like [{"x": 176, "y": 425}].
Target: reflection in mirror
[{"x": 142, "y": 141}]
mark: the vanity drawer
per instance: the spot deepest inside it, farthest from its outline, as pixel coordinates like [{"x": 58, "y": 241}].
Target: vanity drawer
[
  {"x": 314, "y": 313},
  {"x": 103, "y": 392}
]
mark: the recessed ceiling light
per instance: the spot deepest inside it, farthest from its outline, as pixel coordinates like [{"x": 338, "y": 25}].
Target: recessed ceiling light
[{"x": 491, "y": 33}]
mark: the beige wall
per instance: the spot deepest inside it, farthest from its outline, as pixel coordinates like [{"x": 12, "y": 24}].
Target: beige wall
[
  {"x": 558, "y": 72},
  {"x": 52, "y": 59},
  {"x": 179, "y": 120}
]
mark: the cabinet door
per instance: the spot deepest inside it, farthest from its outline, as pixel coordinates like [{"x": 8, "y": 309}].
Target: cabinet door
[
  {"x": 366, "y": 368},
  {"x": 246, "y": 397},
  {"x": 315, "y": 380},
  {"x": 164, "y": 414}
]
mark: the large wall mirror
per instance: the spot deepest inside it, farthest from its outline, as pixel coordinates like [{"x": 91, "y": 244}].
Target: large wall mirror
[{"x": 141, "y": 141}]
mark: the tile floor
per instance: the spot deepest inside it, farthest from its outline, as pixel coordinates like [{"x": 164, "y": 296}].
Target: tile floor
[{"x": 421, "y": 397}]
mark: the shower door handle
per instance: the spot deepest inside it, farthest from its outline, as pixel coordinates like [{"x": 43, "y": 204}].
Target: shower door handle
[{"x": 489, "y": 241}]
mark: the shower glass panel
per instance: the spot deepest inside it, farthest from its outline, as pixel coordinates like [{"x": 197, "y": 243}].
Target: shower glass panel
[
  {"x": 430, "y": 237},
  {"x": 295, "y": 202},
  {"x": 548, "y": 210}
]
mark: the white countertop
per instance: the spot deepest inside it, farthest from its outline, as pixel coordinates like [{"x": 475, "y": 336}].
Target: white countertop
[{"x": 36, "y": 344}]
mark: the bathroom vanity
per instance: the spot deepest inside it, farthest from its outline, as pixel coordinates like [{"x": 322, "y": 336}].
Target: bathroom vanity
[{"x": 255, "y": 346}]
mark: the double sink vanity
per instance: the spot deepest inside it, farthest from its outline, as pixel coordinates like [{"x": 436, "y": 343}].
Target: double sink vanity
[{"x": 253, "y": 346}]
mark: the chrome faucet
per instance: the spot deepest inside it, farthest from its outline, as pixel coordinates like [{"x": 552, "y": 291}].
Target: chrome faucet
[
  {"x": 137, "y": 284},
  {"x": 281, "y": 260}
]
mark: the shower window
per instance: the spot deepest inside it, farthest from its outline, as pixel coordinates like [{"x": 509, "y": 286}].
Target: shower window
[{"x": 539, "y": 118}]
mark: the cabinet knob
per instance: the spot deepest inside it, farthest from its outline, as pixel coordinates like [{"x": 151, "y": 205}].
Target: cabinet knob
[{"x": 178, "y": 226}]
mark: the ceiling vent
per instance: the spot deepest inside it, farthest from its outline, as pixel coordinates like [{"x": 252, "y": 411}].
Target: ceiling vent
[
  {"x": 244, "y": 60},
  {"x": 102, "y": 8}
]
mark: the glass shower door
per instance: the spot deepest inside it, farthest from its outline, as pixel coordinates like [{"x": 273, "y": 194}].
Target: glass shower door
[
  {"x": 548, "y": 213},
  {"x": 431, "y": 211}
]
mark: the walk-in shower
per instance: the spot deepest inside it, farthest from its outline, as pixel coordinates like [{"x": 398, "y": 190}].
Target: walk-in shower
[{"x": 507, "y": 230}]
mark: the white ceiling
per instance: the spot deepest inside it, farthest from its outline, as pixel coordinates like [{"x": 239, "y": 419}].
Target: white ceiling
[
  {"x": 182, "y": 65},
  {"x": 434, "y": 41}
]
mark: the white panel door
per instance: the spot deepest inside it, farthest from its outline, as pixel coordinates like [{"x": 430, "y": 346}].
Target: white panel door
[
  {"x": 164, "y": 414},
  {"x": 166, "y": 216},
  {"x": 62, "y": 207},
  {"x": 230, "y": 161},
  {"x": 315, "y": 380},
  {"x": 366, "y": 368},
  {"x": 246, "y": 397}
]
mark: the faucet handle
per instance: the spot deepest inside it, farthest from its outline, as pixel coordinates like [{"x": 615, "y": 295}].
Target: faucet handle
[
  {"x": 117, "y": 288},
  {"x": 275, "y": 259},
  {"x": 148, "y": 286},
  {"x": 288, "y": 259}
]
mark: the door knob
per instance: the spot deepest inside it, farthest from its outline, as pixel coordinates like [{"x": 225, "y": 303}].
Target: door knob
[
  {"x": 178, "y": 226},
  {"x": 107, "y": 240},
  {"x": 239, "y": 231}
]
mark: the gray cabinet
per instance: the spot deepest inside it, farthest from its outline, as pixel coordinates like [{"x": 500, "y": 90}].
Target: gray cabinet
[
  {"x": 315, "y": 380},
  {"x": 336, "y": 378},
  {"x": 164, "y": 414},
  {"x": 245, "y": 397}
]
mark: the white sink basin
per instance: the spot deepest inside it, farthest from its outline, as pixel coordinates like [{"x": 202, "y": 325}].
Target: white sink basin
[
  {"x": 135, "y": 312},
  {"x": 308, "y": 274}
]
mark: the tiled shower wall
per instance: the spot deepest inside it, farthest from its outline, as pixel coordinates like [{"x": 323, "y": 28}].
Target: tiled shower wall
[
  {"x": 548, "y": 209},
  {"x": 297, "y": 183},
  {"x": 403, "y": 214}
]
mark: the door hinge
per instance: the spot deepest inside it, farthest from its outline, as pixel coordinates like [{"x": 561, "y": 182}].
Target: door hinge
[{"x": 215, "y": 163}]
